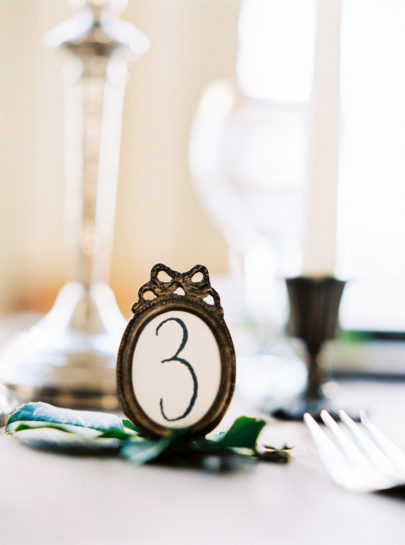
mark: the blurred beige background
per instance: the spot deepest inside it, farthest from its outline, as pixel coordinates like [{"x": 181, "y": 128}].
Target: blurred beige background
[{"x": 159, "y": 217}]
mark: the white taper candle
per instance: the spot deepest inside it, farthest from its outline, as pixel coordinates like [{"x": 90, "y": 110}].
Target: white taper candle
[{"x": 319, "y": 256}]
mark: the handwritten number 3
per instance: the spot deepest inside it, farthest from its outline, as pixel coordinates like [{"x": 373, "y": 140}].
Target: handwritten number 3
[{"x": 184, "y": 362}]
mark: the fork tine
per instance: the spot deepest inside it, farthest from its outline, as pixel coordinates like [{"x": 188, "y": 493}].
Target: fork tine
[
  {"x": 331, "y": 456},
  {"x": 348, "y": 447},
  {"x": 390, "y": 449},
  {"x": 367, "y": 445},
  {"x": 361, "y": 477}
]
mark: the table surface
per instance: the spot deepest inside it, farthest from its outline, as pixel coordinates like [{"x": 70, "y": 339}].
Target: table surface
[{"x": 57, "y": 499}]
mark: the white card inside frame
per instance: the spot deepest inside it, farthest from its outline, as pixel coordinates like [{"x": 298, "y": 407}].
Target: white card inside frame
[{"x": 176, "y": 369}]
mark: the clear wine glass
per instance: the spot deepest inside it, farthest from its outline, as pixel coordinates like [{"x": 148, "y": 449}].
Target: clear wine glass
[{"x": 248, "y": 159}]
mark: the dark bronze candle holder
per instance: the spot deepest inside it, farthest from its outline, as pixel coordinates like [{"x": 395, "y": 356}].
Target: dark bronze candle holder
[{"x": 314, "y": 305}]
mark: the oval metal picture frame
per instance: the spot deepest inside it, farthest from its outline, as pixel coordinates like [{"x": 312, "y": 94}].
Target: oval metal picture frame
[{"x": 181, "y": 292}]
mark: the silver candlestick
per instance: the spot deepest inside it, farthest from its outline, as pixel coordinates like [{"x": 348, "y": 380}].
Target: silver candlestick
[{"x": 68, "y": 357}]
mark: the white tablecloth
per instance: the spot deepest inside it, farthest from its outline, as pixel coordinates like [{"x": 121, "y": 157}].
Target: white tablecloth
[{"x": 49, "y": 499}]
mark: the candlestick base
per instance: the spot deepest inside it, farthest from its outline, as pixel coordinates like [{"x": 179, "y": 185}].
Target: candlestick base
[
  {"x": 8, "y": 402},
  {"x": 314, "y": 305},
  {"x": 68, "y": 358},
  {"x": 296, "y": 408}
]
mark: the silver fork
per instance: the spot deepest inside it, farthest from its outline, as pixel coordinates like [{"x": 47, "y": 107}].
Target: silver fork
[{"x": 358, "y": 457}]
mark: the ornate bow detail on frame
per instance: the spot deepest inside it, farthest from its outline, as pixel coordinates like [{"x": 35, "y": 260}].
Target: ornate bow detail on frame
[{"x": 165, "y": 281}]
